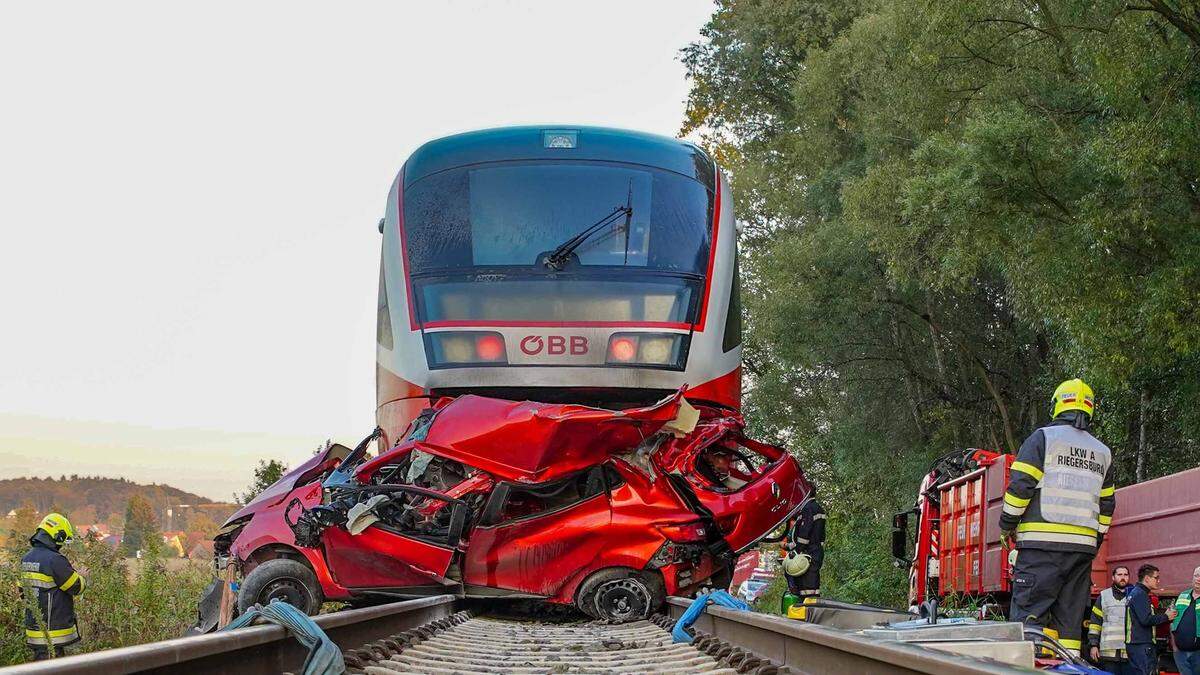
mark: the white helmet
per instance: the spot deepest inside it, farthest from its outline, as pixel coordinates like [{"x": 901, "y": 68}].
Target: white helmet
[{"x": 796, "y": 564}]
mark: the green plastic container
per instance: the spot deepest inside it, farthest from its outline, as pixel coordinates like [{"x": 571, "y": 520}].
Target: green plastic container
[{"x": 786, "y": 603}]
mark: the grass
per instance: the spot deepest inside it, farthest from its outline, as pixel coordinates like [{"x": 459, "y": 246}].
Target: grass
[{"x": 124, "y": 602}]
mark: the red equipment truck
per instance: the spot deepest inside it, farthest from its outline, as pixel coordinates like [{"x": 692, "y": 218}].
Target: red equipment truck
[{"x": 957, "y": 546}]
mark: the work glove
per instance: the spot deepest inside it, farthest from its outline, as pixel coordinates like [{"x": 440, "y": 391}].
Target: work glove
[{"x": 1007, "y": 538}]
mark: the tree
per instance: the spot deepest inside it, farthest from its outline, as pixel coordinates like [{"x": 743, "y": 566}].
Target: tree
[
  {"x": 266, "y": 474},
  {"x": 949, "y": 208},
  {"x": 141, "y": 527}
]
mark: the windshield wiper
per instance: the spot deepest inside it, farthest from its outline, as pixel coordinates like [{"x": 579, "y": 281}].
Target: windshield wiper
[{"x": 558, "y": 258}]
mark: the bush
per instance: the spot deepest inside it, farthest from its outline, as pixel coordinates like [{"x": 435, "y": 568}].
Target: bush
[{"x": 119, "y": 606}]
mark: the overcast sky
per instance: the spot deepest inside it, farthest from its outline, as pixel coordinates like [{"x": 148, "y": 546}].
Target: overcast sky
[{"x": 189, "y": 197}]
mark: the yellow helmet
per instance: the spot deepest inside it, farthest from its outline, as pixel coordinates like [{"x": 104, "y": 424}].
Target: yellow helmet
[
  {"x": 58, "y": 527},
  {"x": 1073, "y": 395}
]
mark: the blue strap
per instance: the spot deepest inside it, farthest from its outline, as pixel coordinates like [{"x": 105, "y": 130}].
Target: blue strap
[
  {"x": 680, "y": 633},
  {"x": 324, "y": 657}
]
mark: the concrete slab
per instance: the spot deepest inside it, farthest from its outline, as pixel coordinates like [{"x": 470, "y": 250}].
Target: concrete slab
[
  {"x": 983, "y": 630},
  {"x": 1013, "y": 653}
]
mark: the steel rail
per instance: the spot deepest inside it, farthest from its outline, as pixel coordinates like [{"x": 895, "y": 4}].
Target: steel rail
[
  {"x": 809, "y": 648},
  {"x": 801, "y": 647},
  {"x": 257, "y": 649}
]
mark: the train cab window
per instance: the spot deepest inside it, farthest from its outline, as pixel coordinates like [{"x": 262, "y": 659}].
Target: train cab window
[
  {"x": 477, "y": 239},
  {"x": 383, "y": 326},
  {"x": 526, "y": 501},
  {"x": 733, "y": 319}
]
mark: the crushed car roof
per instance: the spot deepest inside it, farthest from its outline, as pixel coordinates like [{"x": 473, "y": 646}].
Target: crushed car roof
[{"x": 530, "y": 442}]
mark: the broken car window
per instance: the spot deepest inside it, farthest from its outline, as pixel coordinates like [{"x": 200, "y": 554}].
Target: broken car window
[{"x": 525, "y": 501}]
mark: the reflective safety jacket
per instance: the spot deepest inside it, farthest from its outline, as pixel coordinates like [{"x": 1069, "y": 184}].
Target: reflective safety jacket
[
  {"x": 1061, "y": 494},
  {"x": 1106, "y": 626},
  {"x": 48, "y": 575}
]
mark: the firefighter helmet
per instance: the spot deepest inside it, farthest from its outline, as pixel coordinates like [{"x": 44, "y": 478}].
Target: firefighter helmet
[
  {"x": 58, "y": 527},
  {"x": 1073, "y": 395},
  {"x": 796, "y": 564}
]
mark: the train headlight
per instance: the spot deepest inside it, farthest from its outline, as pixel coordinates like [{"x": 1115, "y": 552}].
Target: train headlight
[
  {"x": 661, "y": 350},
  {"x": 461, "y": 348}
]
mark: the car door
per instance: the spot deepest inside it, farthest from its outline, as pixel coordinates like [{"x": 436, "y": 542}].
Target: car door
[
  {"x": 533, "y": 538},
  {"x": 387, "y": 556}
]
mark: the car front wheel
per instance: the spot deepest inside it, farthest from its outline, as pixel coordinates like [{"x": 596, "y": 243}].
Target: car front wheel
[{"x": 281, "y": 579}]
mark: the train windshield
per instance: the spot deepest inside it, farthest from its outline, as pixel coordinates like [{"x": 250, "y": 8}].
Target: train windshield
[{"x": 633, "y": 243}]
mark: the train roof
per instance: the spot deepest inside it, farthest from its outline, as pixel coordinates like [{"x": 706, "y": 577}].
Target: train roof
[{"x": 559, "y": 142}]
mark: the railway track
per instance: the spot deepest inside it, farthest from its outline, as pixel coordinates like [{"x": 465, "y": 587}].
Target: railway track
[{"x": 443, "y": 635}]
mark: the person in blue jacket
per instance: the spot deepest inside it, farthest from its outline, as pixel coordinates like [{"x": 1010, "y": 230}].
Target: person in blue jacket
[{"x": 1140, "y": 620}]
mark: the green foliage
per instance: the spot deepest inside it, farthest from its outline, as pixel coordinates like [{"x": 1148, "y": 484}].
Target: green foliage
[
  {"x": 119, "y": 606},
  {"x": 265, "y": 475},
  {"x": 949, "y": 208}
]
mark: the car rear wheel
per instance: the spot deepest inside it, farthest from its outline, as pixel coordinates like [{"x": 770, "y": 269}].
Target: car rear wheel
[
  {"x": 618, "y": 595},
  {"x": 281, "y": 579}
]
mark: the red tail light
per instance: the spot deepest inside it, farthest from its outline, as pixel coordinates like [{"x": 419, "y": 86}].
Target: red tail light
[{"x": 684, "y": 533}]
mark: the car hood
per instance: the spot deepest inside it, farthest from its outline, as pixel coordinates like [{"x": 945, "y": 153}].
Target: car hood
[
  {"x": 528, "y": 442},
  {"x": 280, "y": 489}
]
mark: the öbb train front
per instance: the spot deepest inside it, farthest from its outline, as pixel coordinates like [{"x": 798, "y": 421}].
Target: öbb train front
[{"x": 567, "y": 264}]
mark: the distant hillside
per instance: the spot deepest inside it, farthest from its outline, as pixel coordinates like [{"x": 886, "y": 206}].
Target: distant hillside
[{"x": 90, "y": 499}]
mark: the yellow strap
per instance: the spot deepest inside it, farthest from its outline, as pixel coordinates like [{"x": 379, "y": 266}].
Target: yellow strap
[
  {"x": 37, "y": 576},
  {"x": 1070, "y": 644},
  {"x": 61, "y": 632},
  {"x": 1108, "y": 491},
  {"x": 1105, "y": 520},
  {"x": 71, "y": 581},
  {"x": 1028, "y": 469},
  {"x": 1012, "y": 500},
  {"x": 1094, "y": 628},
  {"x": 1097, "y": 612},
  {"x": 1056, "y": 527}
]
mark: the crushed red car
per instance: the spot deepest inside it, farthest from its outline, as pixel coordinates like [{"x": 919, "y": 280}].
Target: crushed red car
[{"x": 608, "y": 511}]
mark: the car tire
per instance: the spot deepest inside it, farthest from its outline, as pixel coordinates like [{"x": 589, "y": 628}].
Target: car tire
[
  {"x": 619, "y": 595},
  {"x": 283, "y": 579}
]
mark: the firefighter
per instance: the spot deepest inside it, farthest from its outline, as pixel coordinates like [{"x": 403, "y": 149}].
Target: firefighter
[
  {"x": 806, "y": 551},
  {"x": 50, "y": 580},
  {"x": 1058, "y": 506},
  {"x": 1106, "y": 627}
]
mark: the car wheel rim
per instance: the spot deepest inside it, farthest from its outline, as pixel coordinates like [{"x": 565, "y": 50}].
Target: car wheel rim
[
  {"x": 289, "y": 590},
  {"x": 622, "y": 600}
]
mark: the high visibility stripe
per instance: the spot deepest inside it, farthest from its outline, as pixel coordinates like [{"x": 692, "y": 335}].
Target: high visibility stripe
[
  {"x": 1070, "y": 644},
  {"x": 801, "y": 540},
  {"x": 71, "y": 581},
  {"x": 1058, "y": 538},
  {"x": 1108, "y": 491},
  {"x": 1094, "y": 628},
  {"x": 1010, "y": 498},
  {"x": 1097, "y": 612},
  {"x": 1028, "y": 469},
  {"x": 57, "y": 637},
  {"x": 1102, "y": 528},
  {"x": 1105, "y": 520},
  {"x": 1013, "y": 510},
  {"x": 38, "y": 580},
  {"x": 819, "y": 516},
  {"x": 1056, "y": 527}
]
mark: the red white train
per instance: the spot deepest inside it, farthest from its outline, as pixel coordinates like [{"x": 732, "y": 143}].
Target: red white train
[{"x": 574, "y": 264}]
